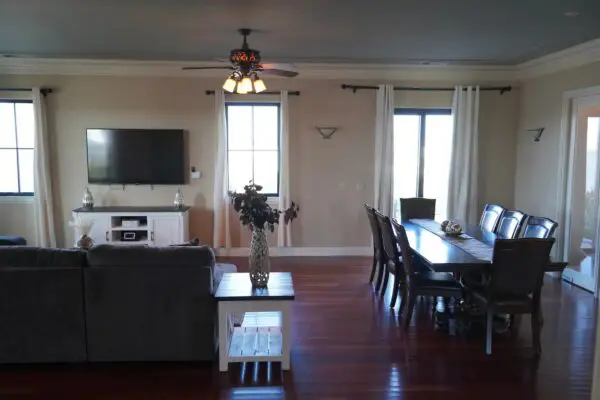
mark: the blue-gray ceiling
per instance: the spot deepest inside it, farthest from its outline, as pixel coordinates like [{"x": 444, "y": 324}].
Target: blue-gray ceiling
[{"x": 354, "y": 31}]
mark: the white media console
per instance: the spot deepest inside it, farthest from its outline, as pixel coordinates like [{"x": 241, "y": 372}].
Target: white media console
[{"x": 155, "y": 226}]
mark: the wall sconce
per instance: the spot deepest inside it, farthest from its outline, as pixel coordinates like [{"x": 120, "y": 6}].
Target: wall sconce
[
  {"x": 538, "y": 133},
  {"x": 327, "y": 131}
]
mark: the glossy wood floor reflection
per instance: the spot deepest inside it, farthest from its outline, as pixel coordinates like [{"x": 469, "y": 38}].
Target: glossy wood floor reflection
[{"x": 346, "y": 344}]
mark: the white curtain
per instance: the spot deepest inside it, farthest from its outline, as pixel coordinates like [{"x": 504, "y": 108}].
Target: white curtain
[
  {"x": 462, "y": 190},
  {"x": 43, "y": 199},
  {"x": 284, "y": 232},
  {"x": 221, "y": 234},
  {"x": 384, "y": 150}
]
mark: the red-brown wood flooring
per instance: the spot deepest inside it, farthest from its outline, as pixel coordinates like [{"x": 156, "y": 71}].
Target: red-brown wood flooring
[{"x": 346, "y": 344}]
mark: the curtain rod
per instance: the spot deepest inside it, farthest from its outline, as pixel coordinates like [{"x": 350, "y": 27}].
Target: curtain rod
[
  {"x": 501, "y": 89},
  {"x": 44, "y": 91},
  {"x": 292, "y": 93}
]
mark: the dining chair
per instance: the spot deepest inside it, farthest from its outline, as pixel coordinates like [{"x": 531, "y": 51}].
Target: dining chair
[
  {"x": 422, "y": 283},
  {"x": 417, "y": 207},
  {"x": 490, "y": 217},
  {"x": 510, "y": 224},
  {"x": 539, "y": 227},
  {"x": 379, "y": 255},
  {"x": 515, "y": 283},
  {"x": 395, "y": 261},
  {"x": 542, "y": 228}
]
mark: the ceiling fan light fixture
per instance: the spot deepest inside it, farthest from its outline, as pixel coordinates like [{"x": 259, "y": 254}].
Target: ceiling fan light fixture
[
  {"x": 259, "y": 85},
  {"x": 229, "y": 85},
  {"x": 245, "y": 86}
]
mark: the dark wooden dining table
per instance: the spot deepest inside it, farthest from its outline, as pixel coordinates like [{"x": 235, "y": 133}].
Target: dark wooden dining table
[{"x": 441, "y": 255}]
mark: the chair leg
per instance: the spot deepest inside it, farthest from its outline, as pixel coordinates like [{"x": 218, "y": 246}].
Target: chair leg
[
  {"x": 386, "y": 278},
  {"x": 403, "y": 298},
  {"x": 536, "y": 330},
  {"x": 488, "y": 332},
  {"x": 380, "y": 271},
  {"x": 395, "y": 289},
  {"x": 373, "y": 269},
  {"x": 411, "y": 307}
]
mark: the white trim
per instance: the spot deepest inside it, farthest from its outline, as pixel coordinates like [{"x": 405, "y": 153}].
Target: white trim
[
  {"x": 564, "y": 172},
  {"x": 438, "y": 73},
  {"x": 301, "y": 251},
  {"x": 596, "y": 375},
  {"x": 576, "y": 56}
]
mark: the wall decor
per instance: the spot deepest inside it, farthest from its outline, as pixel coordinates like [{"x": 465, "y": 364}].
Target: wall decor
[
  {"x": 327, "y": 131},
  {"x": 538, "y": 133}
]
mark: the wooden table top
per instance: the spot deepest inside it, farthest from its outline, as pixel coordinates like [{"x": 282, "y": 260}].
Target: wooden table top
[
  {"x": 442, "y": 256},
  {"x": 236, "y": 286}
]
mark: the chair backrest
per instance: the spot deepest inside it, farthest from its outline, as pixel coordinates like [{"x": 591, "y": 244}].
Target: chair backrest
[
  {"x": 405, "y": 249},
  {"x": 388, "y": 238},
  {"x": 417, "y": 207},
  {"x": 518, "y": 266},
  {"x": 539, "y": 227},
  {"x": 510, "y": 224},
  {"x": 375, "y": 230},
  {"x": 490, "y": 217}
]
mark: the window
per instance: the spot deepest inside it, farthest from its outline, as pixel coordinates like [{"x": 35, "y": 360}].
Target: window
[
  {"x": 422, "y": 150},
  {"x": 16, "y": 148},
  {"x": 253, "y": 146}
]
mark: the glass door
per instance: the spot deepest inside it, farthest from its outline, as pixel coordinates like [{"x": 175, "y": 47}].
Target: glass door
[
  {"x": 582, "y": 248},
  {"x": 422, "y": 150}
]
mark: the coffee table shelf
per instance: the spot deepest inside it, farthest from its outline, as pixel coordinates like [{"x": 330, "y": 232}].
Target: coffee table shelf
[{"x": 256, "y": 344}]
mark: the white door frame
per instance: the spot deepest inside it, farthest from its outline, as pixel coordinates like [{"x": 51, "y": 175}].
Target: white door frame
[{"x": 565, "y": 167}]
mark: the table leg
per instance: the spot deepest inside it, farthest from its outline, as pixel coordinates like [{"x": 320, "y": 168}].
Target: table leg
[
  {"x": 223, "y": 336},
  {"x": 286, "y": 328}
]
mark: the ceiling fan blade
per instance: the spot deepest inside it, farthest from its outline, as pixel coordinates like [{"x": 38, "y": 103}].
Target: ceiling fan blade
[
  {"x": 279, "y": 69},
  {"x": 190, "y": 68}
]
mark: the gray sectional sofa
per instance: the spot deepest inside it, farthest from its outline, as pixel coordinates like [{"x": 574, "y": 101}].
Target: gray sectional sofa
[{"x": 107, "y": 304}]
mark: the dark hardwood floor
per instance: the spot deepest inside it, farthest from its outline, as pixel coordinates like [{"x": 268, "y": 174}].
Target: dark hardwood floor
[{"x": 346, "y": 344}]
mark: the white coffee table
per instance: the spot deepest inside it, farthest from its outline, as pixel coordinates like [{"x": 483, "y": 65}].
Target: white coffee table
[{"x": 265, "y": 331}]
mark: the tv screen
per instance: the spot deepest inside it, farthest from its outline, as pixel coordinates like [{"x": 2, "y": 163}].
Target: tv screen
[{"x": 136, "y": 156}]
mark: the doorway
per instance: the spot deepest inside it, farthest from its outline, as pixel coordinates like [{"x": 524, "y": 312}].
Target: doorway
[{"x": 581, "y": 242}]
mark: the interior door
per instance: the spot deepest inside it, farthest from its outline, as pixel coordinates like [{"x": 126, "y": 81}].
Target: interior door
[{"x": 581, "y": 246}]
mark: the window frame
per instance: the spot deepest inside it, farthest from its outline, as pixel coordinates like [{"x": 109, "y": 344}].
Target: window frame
[
  {"x": 422, "y": 113},
  {"x": 19, "y": 193},
  {"x": 257, "y": 104}
]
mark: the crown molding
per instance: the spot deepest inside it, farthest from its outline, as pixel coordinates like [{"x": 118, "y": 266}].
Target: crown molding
[
  {"x": 573, "y": 57},
  {"x": 45, "y": 66},
  {"x": 585, "y": 53}
]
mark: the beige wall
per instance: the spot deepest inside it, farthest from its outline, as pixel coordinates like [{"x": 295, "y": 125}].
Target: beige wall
[
  {"x": 17, "y": 218},
  {"x": 536, "y": 185},
  {"x": 330, "y": 179}
]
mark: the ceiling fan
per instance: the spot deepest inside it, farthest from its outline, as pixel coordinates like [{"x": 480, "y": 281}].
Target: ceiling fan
[{"x": 246, "y": 65}]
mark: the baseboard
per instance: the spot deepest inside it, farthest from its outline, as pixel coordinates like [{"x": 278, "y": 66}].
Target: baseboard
[{"x": 301, "y": 251}]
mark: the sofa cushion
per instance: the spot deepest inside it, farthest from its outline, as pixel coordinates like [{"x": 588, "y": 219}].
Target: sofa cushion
[
  {"x": 12, "y": 241},
  {"x": 110, "y": 255},
  {"x": 26, "y": 256}
]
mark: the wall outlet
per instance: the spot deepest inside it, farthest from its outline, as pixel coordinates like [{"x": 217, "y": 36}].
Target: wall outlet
[{"x": 196, "y": 174}]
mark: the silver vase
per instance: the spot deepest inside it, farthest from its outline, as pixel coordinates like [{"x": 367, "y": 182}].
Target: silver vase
[
  {"x": 88, "y": 200},
  {"x": 178, "y": 202},
  {"x": 259, "y": 263}
]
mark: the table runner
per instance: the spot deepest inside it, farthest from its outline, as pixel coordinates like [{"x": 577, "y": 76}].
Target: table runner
[{"x": 465, "y": 242}]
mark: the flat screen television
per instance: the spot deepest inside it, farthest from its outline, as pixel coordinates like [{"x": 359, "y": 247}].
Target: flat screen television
[{"x": 136, "y": 156}]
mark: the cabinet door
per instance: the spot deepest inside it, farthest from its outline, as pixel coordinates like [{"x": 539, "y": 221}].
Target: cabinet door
[
  {"x": 100, "y": 227},
  {"x": 165, "y": 231}
]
